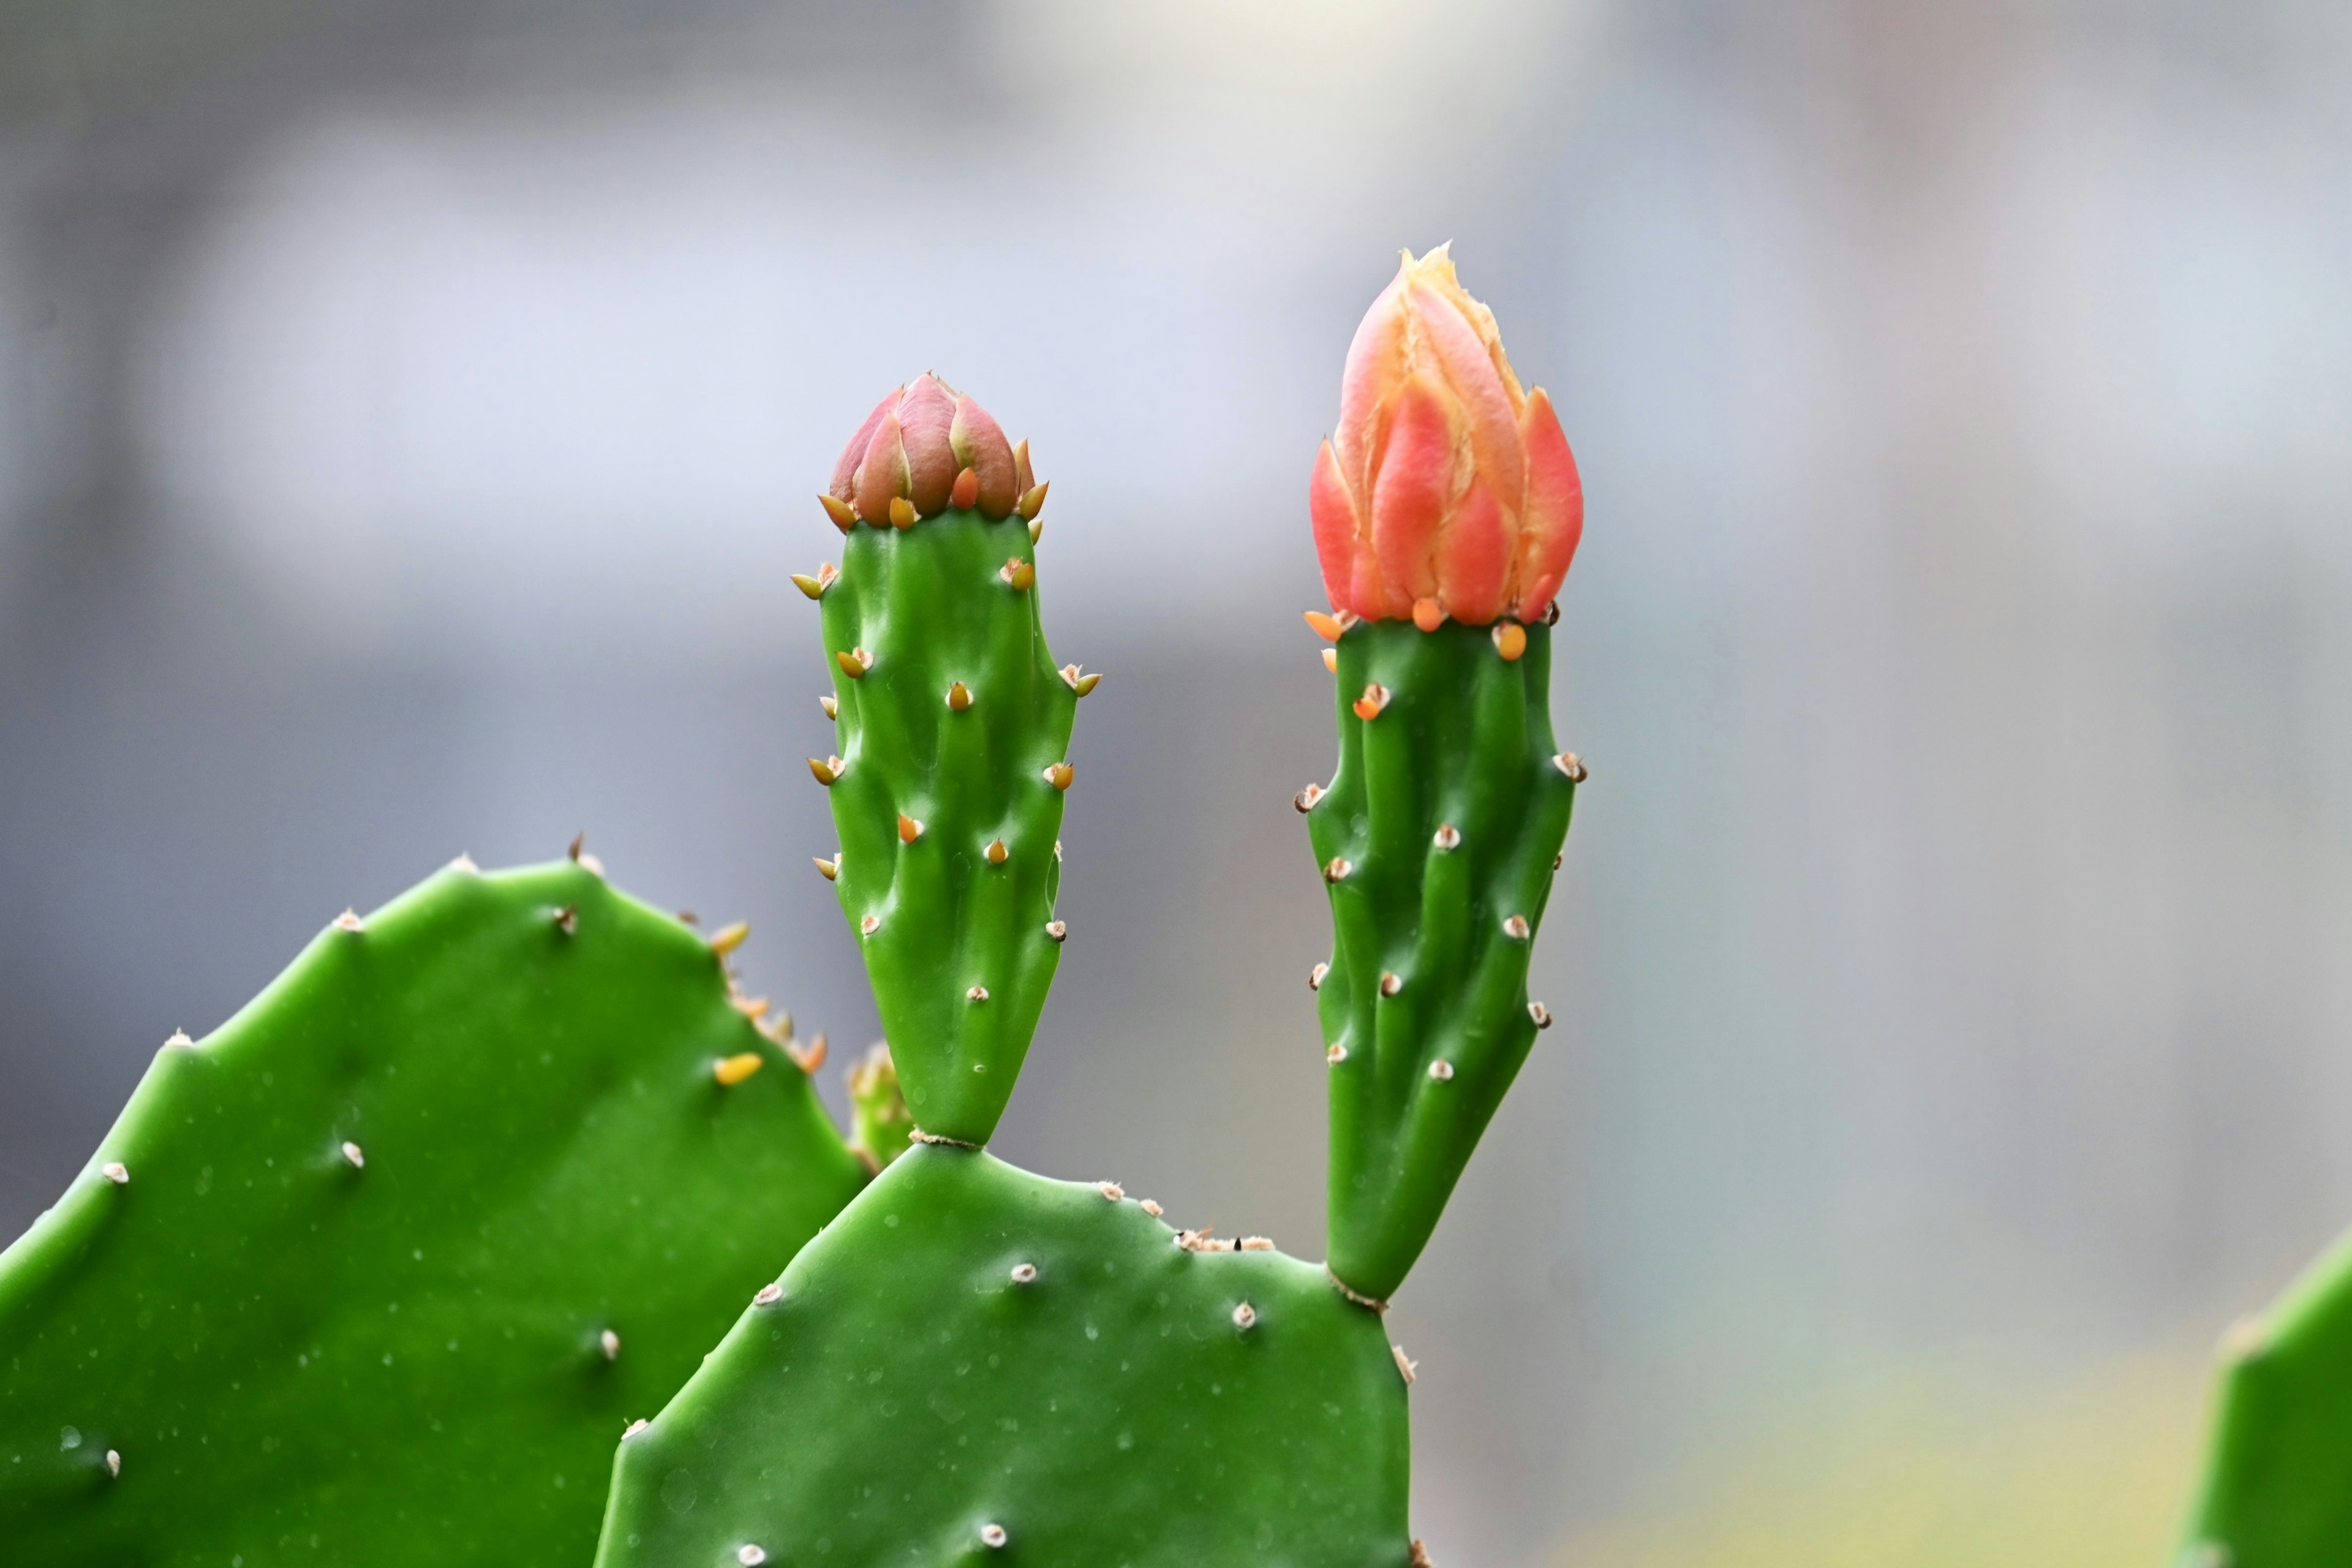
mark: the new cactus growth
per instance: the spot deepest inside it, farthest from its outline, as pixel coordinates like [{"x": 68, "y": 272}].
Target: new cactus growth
[
  {"x": 2277, "y": 1487},
  {"x": 882, "y": 1127},
  {"x": 954, "y": 733},
  {"x": 375, "y": 1273},
  {"x": 1447, "y": 511}
]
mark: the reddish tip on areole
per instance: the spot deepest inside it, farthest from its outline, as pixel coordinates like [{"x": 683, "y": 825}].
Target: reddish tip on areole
[
  {"x": 1446, "y": 492},
  {"x": 916, "y": 447}
]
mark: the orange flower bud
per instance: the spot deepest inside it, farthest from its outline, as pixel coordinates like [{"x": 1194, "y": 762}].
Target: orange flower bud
[
  {"x": 929, "y": 446},
  {"x": 1446, "y": 491}
]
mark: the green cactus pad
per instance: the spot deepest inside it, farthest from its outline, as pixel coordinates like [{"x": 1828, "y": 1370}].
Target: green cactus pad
[
  {"x": 337, "y": 1286},
  {"x": 1440, "y": 828},
  {"x": 970, "y": 1349},
  {"x": 2277, "y": 1491},
  {"x": 960, "y": 948}
]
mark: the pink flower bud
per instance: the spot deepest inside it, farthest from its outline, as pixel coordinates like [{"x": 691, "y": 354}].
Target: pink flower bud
[
  {"x": 915, "y": 446},
  {"x": 1446, "y": 491}
]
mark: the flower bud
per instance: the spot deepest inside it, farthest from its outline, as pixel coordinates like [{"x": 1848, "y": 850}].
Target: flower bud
[
  {"x": 915, "y": 447},
  {"x": 1446, "y": 491}
]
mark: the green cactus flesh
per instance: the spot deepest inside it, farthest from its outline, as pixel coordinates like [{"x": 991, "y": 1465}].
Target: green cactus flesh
[
  {"x": 974, "y": 1358},
  {"x": 2277, "y": 1491},
  {"x": 377, "y": 1272},
  {"x": 1438, "y": 837},
  {"x": 950, "y": 714}
]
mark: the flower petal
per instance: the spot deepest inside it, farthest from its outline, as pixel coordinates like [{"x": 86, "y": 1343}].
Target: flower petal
[
  {"x": 845, "y": 472},
  {"x": 1490, "y": 410},
  {"x": 980, "y": 445},
  {"x": 882, "y": 472},
  {"x": 1473, "y": 559},
  {"x": 1411, "y": 493},
  {"x": 1376, "y": 365},
  {"x": 1337, "y": 532},
  {"x": 1551, "y": 522},
  {"x": 926, "y": 415}
]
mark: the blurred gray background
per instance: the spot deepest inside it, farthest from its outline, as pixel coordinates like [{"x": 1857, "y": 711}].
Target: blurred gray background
[{"x": 410, "y": 411}]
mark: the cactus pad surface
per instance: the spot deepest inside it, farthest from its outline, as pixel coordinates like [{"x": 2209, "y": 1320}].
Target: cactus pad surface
[
  {"x": 1437, "y": 838},
  {"x": 2277, "y": 1491},
  {"x": 974, "y": 1360},
  {"x": 954, "y": 733},
  {"x": 376, "y": 1273}
]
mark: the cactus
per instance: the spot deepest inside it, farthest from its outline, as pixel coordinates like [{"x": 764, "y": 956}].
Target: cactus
[
  {"x": 376, "y": 1272},
  {"x": 954, "y": 731},
  {"x": 2277, "y": 1487},
  {"x": 1437, "y": 838},
  {"x": 1447, "y": 512},
  {"x": 882, "y": 1127},
  {"x": 974, "y": 1358}
]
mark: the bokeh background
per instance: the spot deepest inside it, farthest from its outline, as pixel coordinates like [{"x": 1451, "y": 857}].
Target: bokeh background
[{"x": 410, "y": 411}]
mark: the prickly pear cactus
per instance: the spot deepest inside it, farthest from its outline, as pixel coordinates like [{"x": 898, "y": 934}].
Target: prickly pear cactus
[
  {"x": 954, "y": 733},
  {"x": 377, "y": 1272},
  {"x": 972, "y": 1359},
  {"x": 1437, "y": 840},
  {"x": 882, "y": 1127},
  {"x": 2277, "y": 1488},
  {"x": 1447, "y": 508}
]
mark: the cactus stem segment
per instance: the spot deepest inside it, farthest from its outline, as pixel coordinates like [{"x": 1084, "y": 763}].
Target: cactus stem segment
[
  {"x": 115, "y": 1171},
  {"x": 730, "y": 937},
  {"x": 353, "y": 1156},
  {"x": 732, "y": 1070},
  {"x": 1305, "y": 799},
  {"x": 350, "y": 921},
  {"x": 959, "y": 696},
  {"x": 843, "y": 515}
]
